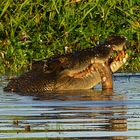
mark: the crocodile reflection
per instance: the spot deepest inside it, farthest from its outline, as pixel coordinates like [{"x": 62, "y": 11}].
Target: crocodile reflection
[{"x": 101, "y": 107}]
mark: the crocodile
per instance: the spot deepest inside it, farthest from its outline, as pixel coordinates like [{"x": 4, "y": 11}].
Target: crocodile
[{"x": 79, "y": 70}]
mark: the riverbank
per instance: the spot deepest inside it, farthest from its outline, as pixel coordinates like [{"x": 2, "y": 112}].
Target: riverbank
[{"x": 38, "y": 29}]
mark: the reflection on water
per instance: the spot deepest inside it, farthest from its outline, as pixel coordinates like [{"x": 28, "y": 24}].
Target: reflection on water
[{"x": 86, "y": 114}]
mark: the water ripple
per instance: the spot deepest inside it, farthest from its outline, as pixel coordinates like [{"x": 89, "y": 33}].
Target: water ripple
[{"x": 74, "y": 114}]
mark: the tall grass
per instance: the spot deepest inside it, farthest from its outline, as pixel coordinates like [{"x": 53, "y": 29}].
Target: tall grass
[{"x": 37, "y": 29}]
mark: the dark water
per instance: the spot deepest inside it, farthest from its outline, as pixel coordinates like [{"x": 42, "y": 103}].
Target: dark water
[{"x": 90, "y": 114}]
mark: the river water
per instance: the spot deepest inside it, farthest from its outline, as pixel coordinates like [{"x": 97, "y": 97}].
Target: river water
[{"x": 85, "y": 114}]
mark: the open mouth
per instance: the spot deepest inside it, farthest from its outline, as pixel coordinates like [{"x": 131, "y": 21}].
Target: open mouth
[
  {"x": 117, "y": 62},
  {"x": 119, "y": 53}
]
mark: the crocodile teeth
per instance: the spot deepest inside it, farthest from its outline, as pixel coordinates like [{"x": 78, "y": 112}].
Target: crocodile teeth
[
  {"x": 103, "y": 64},
  {"x": 114, "y": 65},
  {"x": 124, "y": 60},
  {"x": 92, "y": 68},
  {"x": 104, "y": 79}
]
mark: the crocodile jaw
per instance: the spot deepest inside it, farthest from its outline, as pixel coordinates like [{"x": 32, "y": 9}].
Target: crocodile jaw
[{"x": 118, "y": 63}]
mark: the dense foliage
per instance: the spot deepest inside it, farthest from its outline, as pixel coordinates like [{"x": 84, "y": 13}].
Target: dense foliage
[{"x": 37, "y": 29}]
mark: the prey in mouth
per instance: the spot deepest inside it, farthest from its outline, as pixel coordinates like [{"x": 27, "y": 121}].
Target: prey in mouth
[{"x": 119, "y": 57}]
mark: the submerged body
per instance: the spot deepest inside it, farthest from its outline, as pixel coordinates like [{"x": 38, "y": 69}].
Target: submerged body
[{"x": 73, "y": 71}]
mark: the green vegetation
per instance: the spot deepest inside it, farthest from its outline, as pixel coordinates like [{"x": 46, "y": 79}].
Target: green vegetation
[
  {"x": 31, "y": 139},
  {"x": 40, "y": 139},
  {"x": 37, "y": 29},
  {"x": 26, "y": 139}
]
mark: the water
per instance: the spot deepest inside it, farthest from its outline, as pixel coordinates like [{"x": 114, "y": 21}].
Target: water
[{"x": 90, "y": 114}]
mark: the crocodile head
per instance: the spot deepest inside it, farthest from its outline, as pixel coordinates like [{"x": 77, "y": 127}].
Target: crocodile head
[
  {"x": 119, "y": 55},
  {"x": 117, "y": 42},
  {"x": 105, "y": 51}
]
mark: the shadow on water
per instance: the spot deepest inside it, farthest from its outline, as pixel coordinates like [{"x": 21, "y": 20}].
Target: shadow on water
[{"x": 83, "y": 114}]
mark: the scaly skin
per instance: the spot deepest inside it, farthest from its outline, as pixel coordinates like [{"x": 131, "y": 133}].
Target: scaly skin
[{"x": 73, "y": 71}]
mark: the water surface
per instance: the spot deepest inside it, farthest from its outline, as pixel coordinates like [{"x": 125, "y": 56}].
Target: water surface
[{"x": 85, "y": 114}]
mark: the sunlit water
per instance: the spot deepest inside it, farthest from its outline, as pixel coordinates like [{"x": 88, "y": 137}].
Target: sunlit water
[{"x": 85, "y": 115}]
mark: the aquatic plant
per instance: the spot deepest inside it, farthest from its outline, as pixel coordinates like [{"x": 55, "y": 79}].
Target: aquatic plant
[{"x": 37, "y": 29}]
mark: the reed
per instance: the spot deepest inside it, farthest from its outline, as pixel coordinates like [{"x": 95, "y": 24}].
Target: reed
[{"x": 37, "y": 29}]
